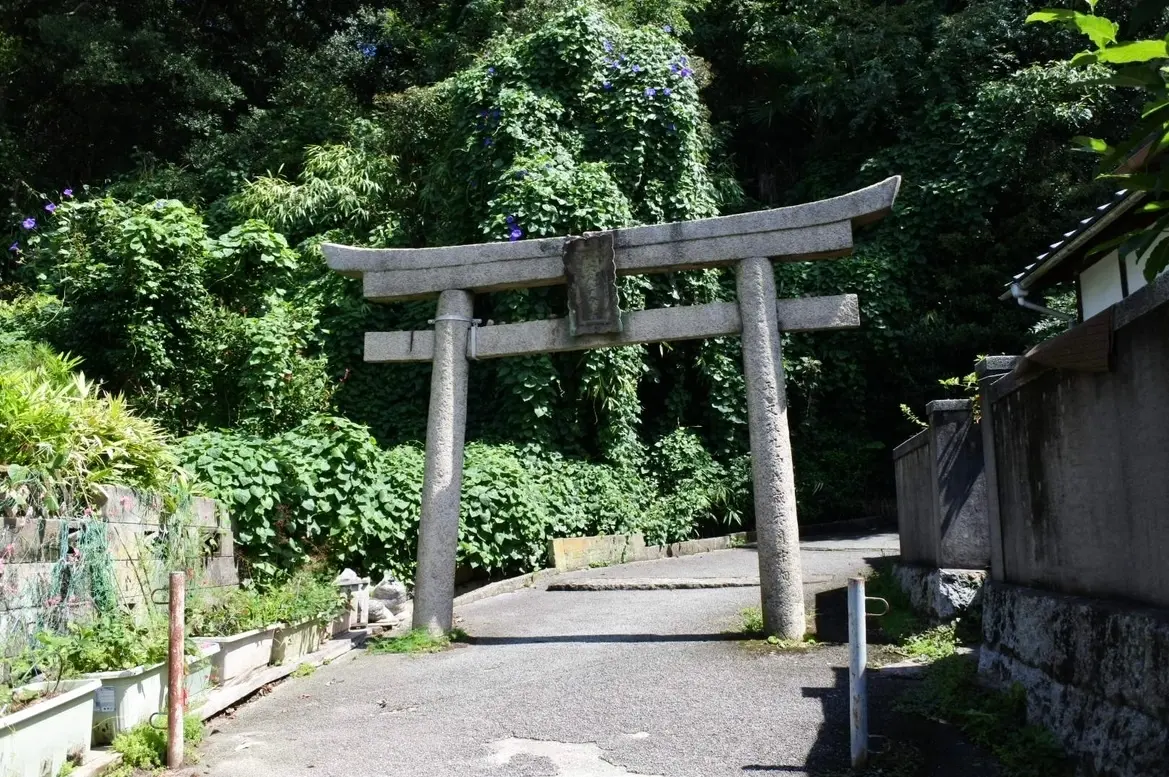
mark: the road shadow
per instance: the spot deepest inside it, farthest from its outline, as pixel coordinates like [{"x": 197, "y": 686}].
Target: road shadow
[{"x": 831, "y": 611}]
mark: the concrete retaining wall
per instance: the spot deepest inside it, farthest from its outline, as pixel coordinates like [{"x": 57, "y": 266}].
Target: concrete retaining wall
[
  {"x": 1096, "y": 674},
  {"x": 569, "y": 553},
  {"x": 32, "y": 554}
]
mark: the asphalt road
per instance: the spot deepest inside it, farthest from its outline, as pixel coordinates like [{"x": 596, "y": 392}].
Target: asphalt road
[{"x": 572, "y": 684}]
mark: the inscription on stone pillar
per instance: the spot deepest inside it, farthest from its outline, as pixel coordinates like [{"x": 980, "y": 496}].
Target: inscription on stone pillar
[{"x": 591, "y": 271}]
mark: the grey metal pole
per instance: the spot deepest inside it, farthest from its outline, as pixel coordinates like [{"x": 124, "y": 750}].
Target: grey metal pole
[
  {"x": 175, "y": 658},
  {"x": 858, "y": 694},
  {"x": 438, "y": 529}
]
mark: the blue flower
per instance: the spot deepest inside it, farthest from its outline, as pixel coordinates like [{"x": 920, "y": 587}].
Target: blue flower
[
  {"x": 368, "y": 49},
  {"x": 29, "y": 223},
  {"x": 668, "y": 29},
  {"x": 636, "y": 68},
  {"x": 67, "y": 193},
  {"x": 487, "y": 141},
  {"x": 515, "y": 234},
  {"x": 50, "y": 207},
  {"x": 15, "y": 247},
  {"x": 667, "y": 91},
  {"x": 615, "y": 65},
  {"x": 675, "y": 67},
  {"x": 491, "y": 71},
  {"x": 686, "y": 72},
  {"x": 650, "y": 91},
  {"x": 608, "y": 46},
  {"x": 607, "y": 85},
  {"x": 510, "y": 220}
]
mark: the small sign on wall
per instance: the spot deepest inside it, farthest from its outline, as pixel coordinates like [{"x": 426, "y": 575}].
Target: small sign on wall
[{"x": 104, "y": 700}]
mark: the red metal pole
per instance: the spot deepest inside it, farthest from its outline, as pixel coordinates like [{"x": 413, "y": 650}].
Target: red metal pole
[{"x": 175, "y": 667}]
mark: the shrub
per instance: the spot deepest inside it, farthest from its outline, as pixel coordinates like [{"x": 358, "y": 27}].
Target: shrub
[
  {"x": 107, "y": 643},
  {"x": 56, "y": 422}
]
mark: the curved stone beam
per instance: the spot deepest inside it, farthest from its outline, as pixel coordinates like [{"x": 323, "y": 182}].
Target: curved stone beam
[{"x": 814, "y": 230}]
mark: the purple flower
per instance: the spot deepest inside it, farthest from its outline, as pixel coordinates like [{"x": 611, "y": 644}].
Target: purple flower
[
  {"x": 510, "y": 221},
  {"x": 515, "y": 234},
  {"x": 67, "y": 193},
  {"x": 368, "y": 50},
  {"x": 636, "y": 68},
  {"x": 650, "y": 91},
  {"x": 607, "y": 85},
  {"x": 491, "y": 71},
  {"x": 29, "y": 223},
  {"x": 50, "y": 207},
  {"x": 14, "y": 247},
  {"x": 608, "y": 46},
  {"x": 615, "y": 65},
  {"x": 686, "y": 72},
  {"x": 668, "y": 29},
  {"x": 675, "y": 67},
  {"x": 667, "y": 91}
]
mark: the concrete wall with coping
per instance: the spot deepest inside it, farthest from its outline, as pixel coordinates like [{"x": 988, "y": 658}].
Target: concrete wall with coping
[
  {"x": 941, "y": 491},
  {"x": 1083, "y": 500}
]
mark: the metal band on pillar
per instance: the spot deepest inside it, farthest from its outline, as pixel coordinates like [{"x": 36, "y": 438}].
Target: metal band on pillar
[{"x": 474, "y": 322}]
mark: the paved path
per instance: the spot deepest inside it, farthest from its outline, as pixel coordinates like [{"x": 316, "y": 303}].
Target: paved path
[{"x": 572, "y": 684}]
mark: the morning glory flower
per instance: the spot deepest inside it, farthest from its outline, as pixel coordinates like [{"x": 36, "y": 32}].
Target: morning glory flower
[
  {"x": 491, "y": 71},
  {"x": 650, "y": 91},
  {"x": 50, "y": 207},
  {"x": 368, "y": 49},
  {"x": 606, "y": 85},
  {"x": 15, "y": 247},
  {"x": 667, "y": 91},
  {"x": 686, "y": 72},
  {"x": 29, "y": 223},
  {"x": 515, "y": 234},
  {"x": 608, "y": 45},
  {"x": 68, "y": 193},
  {"x": 667, "y": 29},
  {"x": 510, "y": 220},
  {"x": 636, "y": 68}
]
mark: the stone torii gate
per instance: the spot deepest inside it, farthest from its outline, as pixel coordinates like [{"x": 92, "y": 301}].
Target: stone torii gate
[{"x": 589, "y": 265}]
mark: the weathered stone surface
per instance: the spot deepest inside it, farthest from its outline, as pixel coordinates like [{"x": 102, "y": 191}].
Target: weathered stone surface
[
  {"x": 591, "y": 270},
  {"x": 380, "y": 612},
  {"x": 942, "y": 593},
  {"x": 777, "y": 532},
  {"x": 1095, "y": 673},
  {"x": 855, "y": 208},
  {"x": 438, "y": 530},
  {"x": 390, "y": 593},
  {"x": 690, "y": 322},
  {"x": 568, "y": 553}
]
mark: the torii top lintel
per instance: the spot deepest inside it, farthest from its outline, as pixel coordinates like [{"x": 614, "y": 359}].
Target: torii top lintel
[{"x": 814, "y": 230}]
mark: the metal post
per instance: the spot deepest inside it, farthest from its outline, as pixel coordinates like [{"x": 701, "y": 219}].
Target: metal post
[
  {"x": 175, "y": 667},
  {"x": 858, "y": 696}
]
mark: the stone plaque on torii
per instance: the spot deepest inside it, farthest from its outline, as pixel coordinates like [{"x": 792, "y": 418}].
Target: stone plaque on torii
[{"x": 589, "y": 265}]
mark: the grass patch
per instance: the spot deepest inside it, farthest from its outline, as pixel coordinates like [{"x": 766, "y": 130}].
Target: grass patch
[
  {"x": 304, "y": 670},
  {"x": 950, "y": 693},
  {"x": 416, "y": 641},
  {"x": 144, "y": 746},
  {"x": 909, "y": 633},
  {"x": 752, "y": 625}
]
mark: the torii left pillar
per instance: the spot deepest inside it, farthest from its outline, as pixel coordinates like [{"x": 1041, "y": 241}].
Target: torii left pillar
[{"x": 438, "y": 529}]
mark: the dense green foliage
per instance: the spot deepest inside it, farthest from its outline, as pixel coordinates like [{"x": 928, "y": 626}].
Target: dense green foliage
[
  {"x": 175, "y": 166},
  {"x": 226, "y": 611},
  {"x": 1137, "y": 161}
]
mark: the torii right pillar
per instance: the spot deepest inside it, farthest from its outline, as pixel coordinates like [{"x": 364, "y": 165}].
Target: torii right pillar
[{"x": 776, "y": 528}]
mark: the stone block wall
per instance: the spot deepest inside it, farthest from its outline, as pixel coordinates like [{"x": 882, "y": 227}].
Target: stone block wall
[
  {"x": 1096, "y": 673},
  {"x": 35, "y": 555}
]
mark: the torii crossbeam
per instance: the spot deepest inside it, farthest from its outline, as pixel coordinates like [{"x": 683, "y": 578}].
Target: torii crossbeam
[{"x": 589, "y": 265}]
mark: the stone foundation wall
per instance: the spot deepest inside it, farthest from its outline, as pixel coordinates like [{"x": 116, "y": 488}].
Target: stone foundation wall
[
  {"x": 943, "y": 594},
  {"x": 1096, "y": 674},
  {"x": 569, "y": 553}
]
